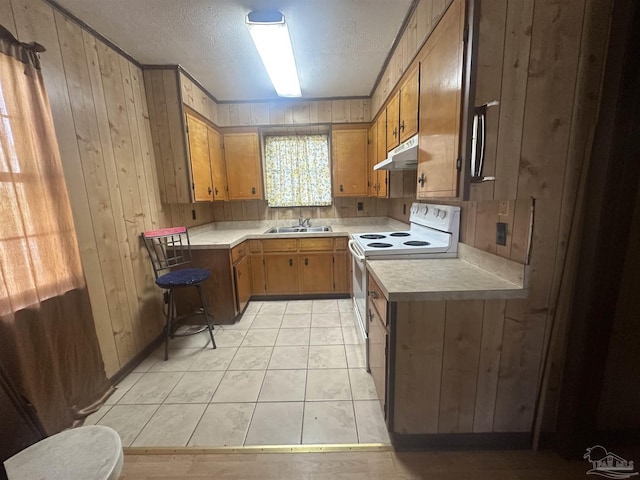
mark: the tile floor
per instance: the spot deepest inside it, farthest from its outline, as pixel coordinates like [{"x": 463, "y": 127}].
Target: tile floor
[{"x": 288, "y": 372}]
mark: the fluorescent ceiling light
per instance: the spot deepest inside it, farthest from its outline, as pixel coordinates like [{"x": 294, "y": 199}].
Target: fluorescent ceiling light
[{"x": 271, "y": 37}]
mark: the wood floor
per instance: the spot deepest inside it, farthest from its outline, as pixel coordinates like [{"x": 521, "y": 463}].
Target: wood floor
[{"x": 493, "y": 465}]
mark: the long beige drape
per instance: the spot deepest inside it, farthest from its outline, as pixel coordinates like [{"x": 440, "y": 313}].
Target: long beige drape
[{"x": 48, "y": 343}]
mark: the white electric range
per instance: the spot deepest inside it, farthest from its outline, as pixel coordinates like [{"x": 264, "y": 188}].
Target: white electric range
[{"x": 433, "y": 233}]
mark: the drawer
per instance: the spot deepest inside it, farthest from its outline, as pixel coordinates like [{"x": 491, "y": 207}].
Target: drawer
[
  {"x": 341, "y": 243},
  {"x": 280, "y": 245},
  {"x": 316, "y": 244},
  {"x": 255, "y": 246},
  {"x": 239, "y": 251},
  {"x": 376, "y": 298}
]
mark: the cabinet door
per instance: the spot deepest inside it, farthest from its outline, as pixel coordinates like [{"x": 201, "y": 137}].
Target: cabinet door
[
  {"x": 378, "y": 355},
  {"x": 349, "y": 147},
  {"x": 409, "y": 99},
  {"x": 257, "y": 274},
  {"x": 440, "y": 106},
  {"x": 393, "y": 120},
  {"x": 316, "y": 272},
  {"x": 381, "y": 154},
  {"x": 242, "y": 158},
  {"x": 281, "y": 273},
  {"x": 372, "y": 175},
  {"x": 341, "y": 272},
  {"x": 218, "y": 168},
  {"x": 199, "y": 157},
  {"x": 242, "y": 273}
]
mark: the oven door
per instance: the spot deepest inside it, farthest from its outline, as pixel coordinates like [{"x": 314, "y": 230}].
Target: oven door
[{"x": 359, "y": 282}]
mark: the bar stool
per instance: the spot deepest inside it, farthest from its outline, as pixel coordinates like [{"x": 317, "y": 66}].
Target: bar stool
[{"x": 168, "y": 249}]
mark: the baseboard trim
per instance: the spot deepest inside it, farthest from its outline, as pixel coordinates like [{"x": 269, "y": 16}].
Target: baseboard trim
[
  {"x": 315, "y": 296},
  {"x": 135, "y": 361},
  {"x": 461, "y": 441}
]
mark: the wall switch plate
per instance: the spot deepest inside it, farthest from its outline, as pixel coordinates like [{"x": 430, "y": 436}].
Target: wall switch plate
[
  {"x": 360, "y": 206},
  {"x": 501, "y": 233}
]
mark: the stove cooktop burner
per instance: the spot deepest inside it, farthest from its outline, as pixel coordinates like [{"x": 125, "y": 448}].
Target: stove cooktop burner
[
  {"x": 379, "y": 245},
  {"x": 416, "y": 243},
  {"x": 400, "y": 234},
  {"x": 372, "y": 236}
]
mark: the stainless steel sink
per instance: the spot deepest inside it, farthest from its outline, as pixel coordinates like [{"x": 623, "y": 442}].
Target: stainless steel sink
[{"x": 298, "y": 229}]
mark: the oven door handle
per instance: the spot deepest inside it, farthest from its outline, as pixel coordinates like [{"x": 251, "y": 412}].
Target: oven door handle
[{"x": 354, "y": 251}]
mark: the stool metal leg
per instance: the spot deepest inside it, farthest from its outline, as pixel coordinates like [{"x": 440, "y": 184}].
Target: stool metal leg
[
  {"x": 169, "y": 326},
  {"x": 206, "y": 315}
]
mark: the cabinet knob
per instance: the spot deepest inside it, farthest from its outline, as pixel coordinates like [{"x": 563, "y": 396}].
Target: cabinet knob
[
  {"x": 253, "y": 190},
  {"x": 395, "y": 132},
  {"x": 306, "y": 261},
  {"x": 215, "y": 190},
  {"x": 341, "y": 188},
  {"x": 402, "y": 126},
  {"x": 209, "y": 189},
  {"x": 291, "y": 262},
  {"x": 422, "y": 179},
  {"x": 373, "y": 294}
]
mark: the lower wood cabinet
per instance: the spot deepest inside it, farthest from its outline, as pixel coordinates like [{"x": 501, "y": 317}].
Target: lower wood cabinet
[
  {"x": 378, "y": 347},
  {"x": 281, "y": 273},
  {"x": 303, "y": 266},
  {"x": 242, "y": 277}
]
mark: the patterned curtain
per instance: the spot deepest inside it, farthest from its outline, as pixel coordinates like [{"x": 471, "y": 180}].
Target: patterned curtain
[{"x": 297, "y": 170}]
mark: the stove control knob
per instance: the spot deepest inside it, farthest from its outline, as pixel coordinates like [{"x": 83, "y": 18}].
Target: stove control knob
[
  {"x": 436, "y": 212},
  {"x": 426, "y": 210},
  {"x": 443, "y": 214},
  {"x": 414, "y": 209}
]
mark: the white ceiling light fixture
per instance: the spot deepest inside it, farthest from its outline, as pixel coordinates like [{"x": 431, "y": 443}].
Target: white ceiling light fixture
[{"x": 271, "y": 37}]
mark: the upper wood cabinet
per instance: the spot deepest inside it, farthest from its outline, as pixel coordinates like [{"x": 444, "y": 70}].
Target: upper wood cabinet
[
  {"x": 440, "y": 106},
  {"x": 197, "y": 135},
  {"x": 393, "y": 122},
  {"x": 350, "y": 160},
  {"x": 218, "y": 167},
  {"x": 409, "y": 102},
  {"x": 186, "y": 145},
  {"x": 242, "y": 159},
  {"x": 378, "y": 179}
]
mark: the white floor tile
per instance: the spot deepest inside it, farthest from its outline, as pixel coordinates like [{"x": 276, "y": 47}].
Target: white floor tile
[
  {"x": 351, "y": 336},
  {"x": 325, "y": 320},
  {"x": 293, "y": 336},
  {"x": 243, "y": 323},
  {"x": 253, "y": 307},
  {"x": 229, "y": 338},
  {"x": 251, "y": 358},
  {"x": 243, "y": 386},
  {"x": 355, "y": 356},
  {"x": 276, "y": 307},
  {"x": 195, "y": 387},
  {"x": 123, "y": 387},
  {"x": 260, "y": 337},
  {"x": 218, "y": 359},
  {"x": 128, "y": 420},
  {"x": 289, "y": 358},
  {"x": 267, "y": 321},
  {"x": 370, "y": 422},
  {"x": 298, "y": 306},
  {"x": 276, "y": 424},
  {"x": 151, "y": 388},
  {"x": 328, "y": 384},
  {"x": 329, "y": 422},
  {"x": 283, "y": 386},
  {"x": 170, "y": 426},
  {"x": 327, "y": 356},
  {"x": 326, "y": 336},
  {"x": 178, "y": 361},
  {"x": 223, "y": 425},
  {"x": 325, "y": 306},
  {"x": 296, "y": 320},
  {"x": 95, "y": 417},
  {"x": 362, "y": 386}
]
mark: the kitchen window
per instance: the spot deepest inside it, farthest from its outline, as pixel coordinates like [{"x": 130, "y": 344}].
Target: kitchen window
[{"x": 297, "y": 170}]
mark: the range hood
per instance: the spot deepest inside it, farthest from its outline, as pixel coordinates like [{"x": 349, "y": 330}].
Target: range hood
[{"x": 403, "y": 157}]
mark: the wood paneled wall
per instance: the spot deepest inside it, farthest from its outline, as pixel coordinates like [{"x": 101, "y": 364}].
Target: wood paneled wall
[
  {"x": 420, "y": 25},
  {"x": 100, "y": 114}
]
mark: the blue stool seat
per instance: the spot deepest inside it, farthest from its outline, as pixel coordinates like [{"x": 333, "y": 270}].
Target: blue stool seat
[{"x": 183, "y": 278}]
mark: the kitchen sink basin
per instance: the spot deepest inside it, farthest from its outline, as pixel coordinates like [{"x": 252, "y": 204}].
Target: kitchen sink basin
[{"x": 298, "y": 229}]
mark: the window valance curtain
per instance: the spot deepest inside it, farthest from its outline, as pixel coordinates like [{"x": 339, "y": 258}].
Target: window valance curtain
[{"x": 48, "y": 344}]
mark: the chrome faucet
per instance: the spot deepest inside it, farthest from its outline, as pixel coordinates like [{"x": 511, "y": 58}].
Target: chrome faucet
[{"x": 304, "y": 222}]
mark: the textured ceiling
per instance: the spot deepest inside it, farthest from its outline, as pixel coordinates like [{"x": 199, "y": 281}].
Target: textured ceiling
[{"x": 340, "y": 45}]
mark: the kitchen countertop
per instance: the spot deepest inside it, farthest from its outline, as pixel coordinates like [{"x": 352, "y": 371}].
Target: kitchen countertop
[
  {"x": 229, "y": 234},
  {"x": 473, "y": 275}
]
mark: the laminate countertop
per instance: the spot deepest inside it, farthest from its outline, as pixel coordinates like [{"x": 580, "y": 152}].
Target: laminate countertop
[
  {"x": 473, "y": 275},
  {"x": 222, "y": 235}
]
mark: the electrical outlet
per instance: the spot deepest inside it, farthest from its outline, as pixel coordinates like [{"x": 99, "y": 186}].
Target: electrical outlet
[
  {"x": 360, "y": 206},
  {"x": 193, "y": 214},
  {"x": 503, "y": 208},
  {"x": 501, "y": 233}
]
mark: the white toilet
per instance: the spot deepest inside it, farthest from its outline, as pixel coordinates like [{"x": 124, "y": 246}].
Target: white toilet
[{"x": 89, "y": 452}]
